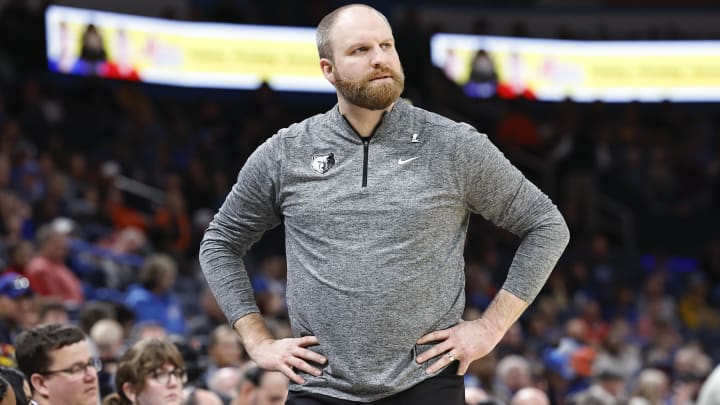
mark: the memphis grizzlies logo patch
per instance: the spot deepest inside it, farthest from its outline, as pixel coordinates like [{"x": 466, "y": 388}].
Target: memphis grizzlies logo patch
[{"x": 323, "y": 163}]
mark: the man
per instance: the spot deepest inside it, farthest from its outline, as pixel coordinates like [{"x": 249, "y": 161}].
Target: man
[
  {"x": 374, "y": 237},
  {"x": 58, "y": 362},
  {"x": 7, "y": 393},
  {"x": 530, "y": 396},
  {"x": 260, "y": 387},
  {"x": 48, "y": 274},
  {"x": 14, "y": 305},
  {"x": 224, "y": 350}
]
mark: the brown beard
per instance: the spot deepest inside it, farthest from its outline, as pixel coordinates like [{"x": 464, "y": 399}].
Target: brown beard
[{"x": 371, "y": 96}]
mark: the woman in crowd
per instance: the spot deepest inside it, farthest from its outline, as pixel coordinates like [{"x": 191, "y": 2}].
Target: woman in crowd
[{"x": 151, "y": 372}]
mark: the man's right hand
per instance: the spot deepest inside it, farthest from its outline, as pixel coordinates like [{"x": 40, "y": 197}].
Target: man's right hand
[
  {"x": 285, "y": 355},
  {"x": 281, "y": 355}
]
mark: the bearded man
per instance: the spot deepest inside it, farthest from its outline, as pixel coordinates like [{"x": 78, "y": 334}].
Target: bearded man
[{"x": 374, "y": 241}]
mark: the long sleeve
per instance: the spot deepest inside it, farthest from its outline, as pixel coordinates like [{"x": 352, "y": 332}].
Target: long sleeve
[
  {"x": 249, "y": 210},
  {"x": 498, "y": 191}
]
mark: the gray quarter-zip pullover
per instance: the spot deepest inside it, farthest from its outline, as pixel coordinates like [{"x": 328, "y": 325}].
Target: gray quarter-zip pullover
[{"x": 374, "y": 238}]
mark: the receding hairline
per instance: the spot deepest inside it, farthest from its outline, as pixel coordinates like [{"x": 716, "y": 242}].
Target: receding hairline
[{"x": 324, "y": 28}]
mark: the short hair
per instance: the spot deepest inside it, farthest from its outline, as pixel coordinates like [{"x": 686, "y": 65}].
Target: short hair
[
  {"x": 322, "y": 34},
  {"x": 33, "y": 347},
  {"x": 141, "y": 360},
  {"x": 154, "y": 268},
  {"x": 105, "y": 333},
  {"x": 4, "y": 385},
  {"x": 219, "y": 331},
  {"x": 50, "y": 304},
  {"x": 16, "y": 378}
]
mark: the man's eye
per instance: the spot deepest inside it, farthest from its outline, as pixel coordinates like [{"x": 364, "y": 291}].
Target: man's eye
[{"x": 77, "y": 369}]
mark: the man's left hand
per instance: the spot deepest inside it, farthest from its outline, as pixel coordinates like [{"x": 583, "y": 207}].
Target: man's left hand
[{"x": 464, "y": 342}]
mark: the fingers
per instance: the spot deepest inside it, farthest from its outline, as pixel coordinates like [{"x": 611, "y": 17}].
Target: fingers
[
  {"x": 440, "y": 363},
  {"x": 463, "y": 367},
  {"x": 309, "y": 355},
  {"x": 434, "y": 336},
  {"x": 433, "y": 352},
  {"x": 289, "y": 373},
  {"x": 306, "y": 341},
  {"x": 299, "y": 364}
]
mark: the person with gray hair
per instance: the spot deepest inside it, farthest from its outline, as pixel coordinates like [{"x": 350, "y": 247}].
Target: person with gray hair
[
  {"x": 376, "y": 196},
  {"x": 530, "y": 396}
]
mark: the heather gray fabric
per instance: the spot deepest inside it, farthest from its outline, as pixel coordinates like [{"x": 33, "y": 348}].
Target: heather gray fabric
[{"x": 372, "y": 269}]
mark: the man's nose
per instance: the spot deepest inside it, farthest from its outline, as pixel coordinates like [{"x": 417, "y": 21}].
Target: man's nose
[{"x": 379, "y": 57}]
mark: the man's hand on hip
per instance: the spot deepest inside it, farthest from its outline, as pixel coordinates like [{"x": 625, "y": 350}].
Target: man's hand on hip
[
  {"x": 285, "y": 355},
  {"x": 464, "y": 342}
]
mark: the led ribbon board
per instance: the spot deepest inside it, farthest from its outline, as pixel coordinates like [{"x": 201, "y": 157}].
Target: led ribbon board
[
  {"x": 585, "y": 71},
  {"x": 193, "y": 54}
]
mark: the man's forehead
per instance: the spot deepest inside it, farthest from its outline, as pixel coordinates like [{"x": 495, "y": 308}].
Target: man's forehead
[
  {"x": 358, "y": 24},
  {"x": 72, "y": 353}
]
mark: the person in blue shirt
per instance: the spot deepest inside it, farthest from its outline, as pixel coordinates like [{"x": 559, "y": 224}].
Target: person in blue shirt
[{"x": 152, "y": 299}]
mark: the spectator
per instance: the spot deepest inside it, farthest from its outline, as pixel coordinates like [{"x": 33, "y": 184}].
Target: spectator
[
  {"x": 260, "y": 387},
  {"x": 7, "y": 393},
  {"x": 48, "y": 274},
  {"x": 19, "y": 383},
  {"x": 108, "y": 337},
  {"x": 530, "y": 396},
  {"x": 651, "y": 388},
  {"x": 50, "y": 311},
  {"x": 150, "y": 372},
  {"x": 58, "y": 361},
  {"x": 607, "y": 389},
  {"x": 14, "y": 305},
  {"x": 224, "y": 350},
  {"x": 224, "y": 381},
  {"x": 152, "y": 299}
]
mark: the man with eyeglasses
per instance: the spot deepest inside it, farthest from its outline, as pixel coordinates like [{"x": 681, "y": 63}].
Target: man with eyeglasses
[{"x": 59, "y": 364}]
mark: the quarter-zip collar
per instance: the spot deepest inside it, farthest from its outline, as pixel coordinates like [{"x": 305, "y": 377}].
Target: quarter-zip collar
[{"x": 387, "y": 123}]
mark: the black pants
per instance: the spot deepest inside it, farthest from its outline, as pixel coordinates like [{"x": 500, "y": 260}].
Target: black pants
[{"x": 446, "y": 388}]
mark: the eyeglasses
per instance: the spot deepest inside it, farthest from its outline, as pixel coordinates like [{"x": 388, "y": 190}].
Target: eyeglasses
[
  {"x": 78, "y": 370},
  {"x": 163, "y": 376}
]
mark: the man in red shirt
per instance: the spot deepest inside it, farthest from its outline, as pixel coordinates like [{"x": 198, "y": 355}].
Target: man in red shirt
[{"x": 47, "y": 272}]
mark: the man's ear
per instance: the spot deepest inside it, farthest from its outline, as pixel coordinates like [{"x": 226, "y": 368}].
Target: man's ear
[
  {"x": 37, "y": 382},
  {"x": 328, "y": 68},
  {"x": 129, "y": 391}
]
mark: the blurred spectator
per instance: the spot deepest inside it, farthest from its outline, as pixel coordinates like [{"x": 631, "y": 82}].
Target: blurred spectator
[
  {"x": 19, "y": 256},
  {"x": 51, "y": 310},
  {"x": 651, "y": 388},
  {"x": 148, "y": 330},
  {"x": 269, "y": 286},
  {"x": 58, "y": 361},
  {"x": 19, "y": 383},
  {"x": 224, "y": 350},
  {"x": 150, "y": 372},
  {"x": 171, "y": 225},
  {"x": 608, "y": 388},
  {"x": 530, "y": 396},
  {"x": 47, "y": 272},
  {"x": 107, "y": 335},
  {"x": 153, "y": 299},
  {"x": 513, "y": 373},
  {"x": 260, "y": 387},
  {"x": 7, "y": 393},
  {"x": 223, "y": 382},
  {"x": 14, "y": 305}
]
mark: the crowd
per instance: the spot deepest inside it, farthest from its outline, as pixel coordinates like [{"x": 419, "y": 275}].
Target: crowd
[{"x": 83, "y": 246}]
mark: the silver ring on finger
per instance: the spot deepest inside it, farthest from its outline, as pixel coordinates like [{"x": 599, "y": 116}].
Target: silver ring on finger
[{"x": 450, "y": 357}]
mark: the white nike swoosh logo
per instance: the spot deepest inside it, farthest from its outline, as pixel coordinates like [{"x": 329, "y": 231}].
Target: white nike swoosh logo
[{"x": 402, "y": 162}]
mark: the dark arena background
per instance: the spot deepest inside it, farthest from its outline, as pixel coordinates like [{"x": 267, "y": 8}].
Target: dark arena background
[{"x": 123, "y": 125}]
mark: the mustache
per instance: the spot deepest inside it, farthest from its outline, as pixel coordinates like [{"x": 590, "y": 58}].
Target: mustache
[{"x": 383, "y": 72}]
